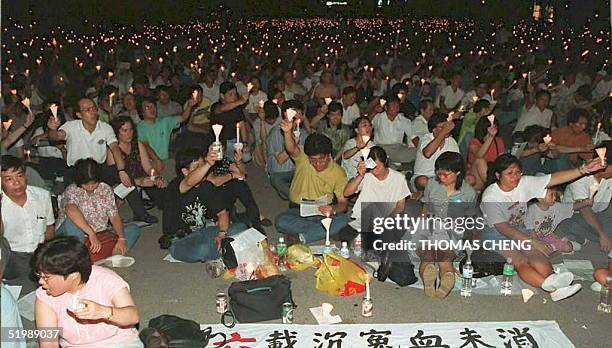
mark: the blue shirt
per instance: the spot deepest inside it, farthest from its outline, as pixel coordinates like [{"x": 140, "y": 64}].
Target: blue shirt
[
  {"x": 10, "y": 316},
  {"x": 276, "y": 143}
]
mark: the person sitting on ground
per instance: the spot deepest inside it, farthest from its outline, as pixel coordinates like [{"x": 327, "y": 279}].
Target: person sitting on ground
[
  {"x": 92, "y": 305},
  {"x": 389, "y": 129},
  {"x": 350, "y": 110},
  {"x": 332, "y": 127},
  {"x": 483, "y": 149},
  {"x": 431, "y": 146},
  {"x": 9, "y": 311},
  {"x": 88, "y": 205},
  {"x": 574, "y": 135},
  {"x": 316, "y": 177},
  {"x": 166, "y": 106},
  {"x": 546, "y": 214},
  {"x": 449, "y": 195},
  {"x": 535, "y": 112},
  {"x": 279, "y": 165},
  {"x": 419, "y": 124},
  {"x": 27, "y": 221},
  {"x": 378, "y": 185},
  {"x": 141, "y": 163},
  {"x": 192, "y": 200},
  {"x": 481, "y": 108},
  {"x": 130, "y": 108},
  {"x": 594, "y": 222},
  {"x": 504, "y": 205},
  {"x": 351, "y": 155}
]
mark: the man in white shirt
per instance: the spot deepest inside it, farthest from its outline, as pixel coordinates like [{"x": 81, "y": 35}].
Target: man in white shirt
[
  {"x": 536, "y": 113},
  {"x": 431, "y": 146},
  {"x": 350, "y": 110},
  {"x": 451, "y": 95},
  {"x": 389, "y": 129},
  {"x": 595, "y": 221},
  {"x": 27, "y": 220},
  {"x": 419, "y": 124},
  {"x": 89, "y": 137},
  {"x": 210, "y": 88}
]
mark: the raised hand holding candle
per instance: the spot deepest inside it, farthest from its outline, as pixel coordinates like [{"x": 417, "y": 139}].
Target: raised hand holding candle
[
  {"x": 601, "y": 152},
  {"x": 547, "y": 139},
  {"x": 291, "y": 114}
]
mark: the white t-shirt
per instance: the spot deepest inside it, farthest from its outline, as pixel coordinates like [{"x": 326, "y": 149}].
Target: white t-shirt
[
  {"x": 426, "y": 166},
  {"x": 534, "y": 116},
  {"x": 544, "y": 222},
  {"x": 419, "y": 126},
  {"x": 350, "y": 164},
  {"x": 349, "y": 114},
  {"x": 211, "y": 93},
  {"x": 390, "y": 190},
  {"x": 82, "y": 144},
  {"x": 499, "y": 206},
  {"x": 451, "y": 98},
  {"x": 24, "y": 227},
  {"x": 392, "y": 132},
  {"x": 580, "y": 189},
  {"x": 47, "y": 151}
]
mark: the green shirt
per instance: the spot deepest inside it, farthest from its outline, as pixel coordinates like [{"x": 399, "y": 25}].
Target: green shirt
[
  {"x": 338, "y": 136},
  {"x": 158, "y": 134},
  {"x": 467, "y": 126}
]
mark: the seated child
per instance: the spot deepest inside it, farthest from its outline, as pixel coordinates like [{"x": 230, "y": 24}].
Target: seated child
[{"x": 546, "y": 214}]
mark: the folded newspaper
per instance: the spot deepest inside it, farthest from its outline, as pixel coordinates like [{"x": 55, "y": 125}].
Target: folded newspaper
[{"x": 310, "y": 207}]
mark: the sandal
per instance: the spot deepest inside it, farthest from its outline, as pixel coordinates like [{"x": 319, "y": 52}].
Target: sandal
[{"x": 447, "y": 283}]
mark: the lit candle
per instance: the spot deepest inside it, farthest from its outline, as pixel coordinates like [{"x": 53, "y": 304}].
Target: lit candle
[
  {"x": 27, "y": 153},
  {"x": 367, "y": 286},
  {"x": 547, "y": 139},
  {"x": 26, "y": 103},
  {"x": 601, "y": 152},
  {"x": 53, "y": 108},
  {"x": 152, "y": 176},
  {"x": 475, "y": 98},
  {"x": 328, "y": 101},
  {"x": 110, "y": 101},
  {"x": 13, "y": 91},
  {"x": 275, "y": 101},
  {"x": 291, "y": 114},
  {"x": 249, "y": 87},
  {"x": 450, "y": 116},
  {"x": 491, "y": 118},
  {"x": 238, "y": 132},
  {"x": 597, "y": 133},
  {"x": 98, "y": 68},
  {"x": 492, "y": 91},
  {"x": 382, "y": 102},
  {"x": 261, "y": 103}
]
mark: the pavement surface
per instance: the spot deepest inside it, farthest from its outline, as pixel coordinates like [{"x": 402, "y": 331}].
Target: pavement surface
[{"x": 160, "y": 287}]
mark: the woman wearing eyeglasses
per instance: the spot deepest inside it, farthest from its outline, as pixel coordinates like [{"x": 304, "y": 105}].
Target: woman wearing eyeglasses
[{"x": 90, "y": 305}]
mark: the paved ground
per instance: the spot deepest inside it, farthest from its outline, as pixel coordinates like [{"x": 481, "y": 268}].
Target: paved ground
[{"x": 160, "y": 287}]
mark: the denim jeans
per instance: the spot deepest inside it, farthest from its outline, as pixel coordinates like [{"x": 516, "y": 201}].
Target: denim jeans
[
  {"x": 131, "y": 232},
  {"x": 290, "y": 222},
  {"x": 577, "y": 229},
  {"x": 229, "y": 148},
  {"x": 199, "y": 245},
  {"x": 532, "y": 164},
  {"x": 281, "y": 182}
]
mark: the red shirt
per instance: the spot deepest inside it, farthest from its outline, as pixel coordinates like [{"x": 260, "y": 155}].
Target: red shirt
[
  {"x": 495, "y": 149},
  {"x": 566, "y": 137}
]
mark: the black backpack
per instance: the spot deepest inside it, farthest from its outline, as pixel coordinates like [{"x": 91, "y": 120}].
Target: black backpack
[
  {"x": 485, "y": 263},
  {"x": 167, "y": 331}
]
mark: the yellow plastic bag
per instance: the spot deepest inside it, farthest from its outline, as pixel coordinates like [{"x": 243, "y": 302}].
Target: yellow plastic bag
[
  {"x": 339, "y": 276},
  {"x": 299, "y": 257}
]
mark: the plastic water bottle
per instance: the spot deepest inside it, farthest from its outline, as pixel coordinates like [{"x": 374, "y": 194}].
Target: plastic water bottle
[
  {"x": 604, "y": 297},
  {"x": 466, "y": 282},
  {"x": 508, "y": 274},
  {"x": 281, "y": 251},
  {"x": 357, "y": 250},
  {"x": 344, "y": 250}
]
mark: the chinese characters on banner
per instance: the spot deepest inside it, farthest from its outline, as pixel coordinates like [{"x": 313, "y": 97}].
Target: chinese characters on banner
[{"x": 511, "y": 334}]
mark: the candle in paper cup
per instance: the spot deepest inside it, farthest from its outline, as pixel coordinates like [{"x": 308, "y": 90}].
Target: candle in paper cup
[
  {"x": 131, "y": 90},
  {"x": 53, "y": 108},
  {"x": 98, "y": 68},
  {"x": 152, "y": 174},
  {"x": 217, "y": 130},
  {"x": 601, "y": 152},
  {"x": 7, "y": 124},
  {"x": 491, "y": 118},
  {"x": 26, "y": 103},
  {"x": 328, "y": 101},
  {"x": 275, "y": 101},
  {"x": 547, "y": 139},
  {"x": 400, "y": 96},
  {"x": 492, "y": 91},
  {"x": 382, "y": 102},
  {"x": 291, "y": 114},
  {"x": 13, "y": 91},
  {"x": 238, "y": 132},
  {"x": 249, "y": 87},
  {"x": 261, "y": 103},
  {"x": 475, "y": 98}
]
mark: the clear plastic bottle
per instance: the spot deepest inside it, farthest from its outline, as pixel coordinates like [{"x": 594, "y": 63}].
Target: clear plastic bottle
[
  {"x": 357, "y": 249},
  {"x": 604, "y": 297},
  {"x": 508, "y": 274},
  {"x": 466, "y": 282},
  {"x": 281, "y": 251},
  {"x": 344, "y": 250}
]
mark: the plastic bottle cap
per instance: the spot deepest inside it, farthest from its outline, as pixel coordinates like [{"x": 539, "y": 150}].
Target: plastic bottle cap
[
  {"x": 344, "y": 244},
  {"x": 281, "y": 239},
  {"x": 509, "y": 260}
]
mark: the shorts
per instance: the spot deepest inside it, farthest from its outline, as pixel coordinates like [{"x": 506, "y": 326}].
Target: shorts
[{"x": 556, "y": 243}]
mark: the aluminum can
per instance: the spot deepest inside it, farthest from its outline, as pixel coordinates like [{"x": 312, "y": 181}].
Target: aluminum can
[{"x": 221, "y": 303}]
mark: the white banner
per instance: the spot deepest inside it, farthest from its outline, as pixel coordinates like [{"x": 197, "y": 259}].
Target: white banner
[{"x": 509, "y": 334}]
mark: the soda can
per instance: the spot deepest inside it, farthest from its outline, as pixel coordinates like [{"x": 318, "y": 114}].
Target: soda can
[
  {"x": 366, "y": 307},
  {"x": 287, "y": 313},
  {"x": 221, "y": 303}
]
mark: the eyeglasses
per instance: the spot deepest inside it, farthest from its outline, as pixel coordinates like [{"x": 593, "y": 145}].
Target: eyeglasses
[
  {"x": 90, "y": 109},
  {"x": 318, "y": 160},
  {"x": 44, "y": 276}
]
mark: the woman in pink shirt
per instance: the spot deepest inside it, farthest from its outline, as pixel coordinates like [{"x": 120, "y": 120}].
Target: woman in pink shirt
[{"x": 91, "y": 305}]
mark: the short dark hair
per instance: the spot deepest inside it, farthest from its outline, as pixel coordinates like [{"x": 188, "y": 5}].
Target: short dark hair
[
  {"x": 270, "y": 110},
  {"x": 501, "y": 163},
  {"x": 453, "y": 162},
  {"x": 317, "y": 144},
  {"x": 359, "y": 119},
  {"x": 184, "y": 158},
  {"x": 423, "y": 104},
  {"x": 334, "y": 107},
  {"x": 348, "y": 90},
  {"x": 146, "y": 100},
  {"x": 575, "y": 114},
  {"x": 12, "y": 163},
  {"x": 480, "y": 105},
  {"x": 291, "y": 104},
  {"x": 534, "y": 133},
  {"x": 378, "y": 153},
  {"x": 226, "y": 87},
  {"x": 436, "y": 119},
  {"x": 62, "y": 256},
  {"x": 541, "y": 93},
  {"x": 86, "y": 170}
]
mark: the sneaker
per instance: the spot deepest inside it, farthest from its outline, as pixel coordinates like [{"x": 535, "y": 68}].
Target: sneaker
[
  {"x": 557, "y": 281},
  {"x": 576, "y": 246},
  {"x": 148, "y": 218},
  {"x": 596, "y": 286},
  {"x": 565, "y": 292},
  {"x": 214, "y": 268}
]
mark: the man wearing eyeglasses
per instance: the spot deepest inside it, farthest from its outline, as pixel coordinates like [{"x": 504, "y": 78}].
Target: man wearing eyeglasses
[{"x": 89, "y": 137}]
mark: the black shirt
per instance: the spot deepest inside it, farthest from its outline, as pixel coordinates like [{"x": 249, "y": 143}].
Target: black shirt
[
  {"x": 187, "y": 212},
  {"x": 227, "y": 119}
]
